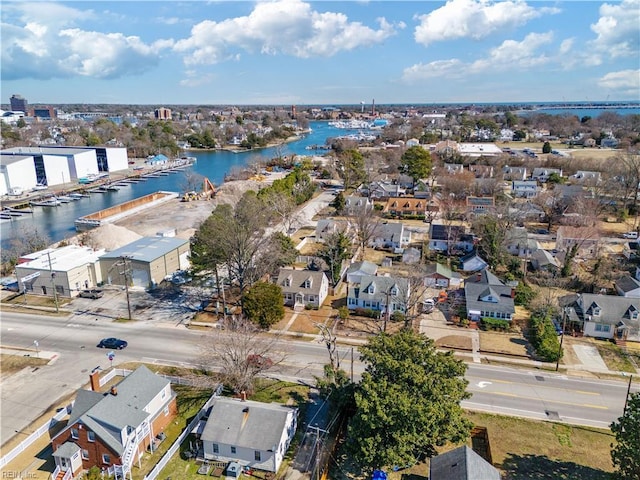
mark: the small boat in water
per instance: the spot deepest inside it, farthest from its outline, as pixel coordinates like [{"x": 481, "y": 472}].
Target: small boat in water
[
  {"x": 47, "y": 202},
  {"x": 65, "y": 199},
  {"x": 78, "y": 196}
]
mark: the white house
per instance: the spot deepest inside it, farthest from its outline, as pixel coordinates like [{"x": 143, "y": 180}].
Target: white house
[
  {"x": 391, "y": 235},
  {"x": 543, "y": 174},
  {"x": 253, "y": 434},
  {"x": 525, "y": 188},
  {"x": 377, "y": 293},
  {"x": 303, "y": 287}
]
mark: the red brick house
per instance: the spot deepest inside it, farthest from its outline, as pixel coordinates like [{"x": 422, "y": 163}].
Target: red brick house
[{"x": 112, "y": 430}]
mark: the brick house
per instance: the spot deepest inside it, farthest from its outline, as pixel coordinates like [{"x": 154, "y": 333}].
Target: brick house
[
  {"x": 406, "y": 206},
  {"x": 112, "y": 430}
]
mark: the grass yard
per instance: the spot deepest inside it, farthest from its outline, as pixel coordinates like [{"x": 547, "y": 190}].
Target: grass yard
[
  {"x": 266, "y": 390},
  {"x": 504, "y": 343},
  {"x": 14, "y": 363},
  {"x": 528, "y": 449},
  {"x": 457, "y": 342},
  {"x": 614, "y": 357}
]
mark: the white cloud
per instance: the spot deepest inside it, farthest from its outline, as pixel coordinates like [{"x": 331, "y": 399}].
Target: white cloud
[
  {"x": 288, "y": 27},
  {"x": 510, "y": 55},
  {"x": 196, "y": 79},
  {"x": 45, "y": 43},
  {"x": 625, "y": 82},
  {"x": 474, "y": 19},
  {"x": 618, "y": 29}
]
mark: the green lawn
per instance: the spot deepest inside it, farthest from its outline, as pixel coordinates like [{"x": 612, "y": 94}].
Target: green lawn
[
  {"x": 265, "y": 391},
  {"x": 528, "y": 449}
]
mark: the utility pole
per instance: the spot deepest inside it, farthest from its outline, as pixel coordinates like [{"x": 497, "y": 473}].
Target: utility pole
[
  {"x": 53, "y": 282},
  {"x": 564, "y": 323},
  {"x": 351, "y": 364},
  {"x": 330, "y": 341},
  {"x": 626, "y": 399},
  {"x": 125, "y": 264}
]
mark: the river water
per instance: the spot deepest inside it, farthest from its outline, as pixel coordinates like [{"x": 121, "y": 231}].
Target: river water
[{"x": 57, "y": 223}]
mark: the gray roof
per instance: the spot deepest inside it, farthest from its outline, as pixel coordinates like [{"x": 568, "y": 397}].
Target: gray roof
[
  {"x": 248, "y": 424},
  {"x": 298, "y": 278},
  {"x": 461, "y": 463},
  {"x": 614, "y": 309},
  {"x": 390, "y": 230},
  {"x": 147, "y": 249},
  {"x": 445, "y": 232},
  {"x": 382, "y": 285},
  {"x": 66, "y": 450},
  {"x": 362, "y": 268},
  {"x": 439, "y": 269},
  {"x": 627, "y": 284},
  {"x": 108, "y": 415},
  {"x": 542, "y": 258},
  {"x": 481, "y": 285},
  {"x": 45, "y": 150}
]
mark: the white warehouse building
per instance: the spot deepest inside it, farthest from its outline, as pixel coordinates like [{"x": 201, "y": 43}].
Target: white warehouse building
[
  {"x": 17, "y": 174},
  {"x": 67, "y": 270},
  {"x": 56, "y": 165}
]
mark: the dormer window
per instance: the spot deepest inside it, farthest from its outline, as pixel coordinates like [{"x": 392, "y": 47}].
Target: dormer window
[
  {"x": 372, "y": 289},
  {"x": 394, "y": 290},
  {"x": 307, "y": 283},
  {"x": 287, "y": 281}
]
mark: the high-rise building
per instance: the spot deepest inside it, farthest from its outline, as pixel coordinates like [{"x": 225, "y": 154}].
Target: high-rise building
[
  {"x": 19, "y": 104},
  {"x": 163, "y": 113}
]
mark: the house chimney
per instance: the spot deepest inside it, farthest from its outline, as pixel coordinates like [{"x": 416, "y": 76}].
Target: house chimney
[
  {"x": 114, "y": 391},
  {"x": 513, "y": 293},
  {"x": 478, "y": 277},
  {"x": 243, "y": 396},
  {"x": 94, "y": 379}
]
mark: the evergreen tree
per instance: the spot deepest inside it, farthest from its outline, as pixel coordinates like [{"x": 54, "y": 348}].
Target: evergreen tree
[
  {"x": 408, "y": 401},
  {"x": 625, "y": 455}
]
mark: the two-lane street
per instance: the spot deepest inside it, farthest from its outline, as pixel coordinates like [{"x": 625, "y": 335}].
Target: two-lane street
[{"x": 534, "y": 394}]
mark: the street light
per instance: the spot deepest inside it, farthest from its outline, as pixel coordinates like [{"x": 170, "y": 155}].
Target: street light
[
  {"x": 626, "y": 398},
  {"x": 35, "y": 342}
]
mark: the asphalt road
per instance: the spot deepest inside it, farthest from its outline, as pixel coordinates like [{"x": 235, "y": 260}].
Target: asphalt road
[{"x": 28, "y": 394}]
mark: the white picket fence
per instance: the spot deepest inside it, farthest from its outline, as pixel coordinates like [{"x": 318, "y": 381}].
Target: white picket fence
[
  {"x": 26, "y": 443},
  {"x": 153, "y": 474}
]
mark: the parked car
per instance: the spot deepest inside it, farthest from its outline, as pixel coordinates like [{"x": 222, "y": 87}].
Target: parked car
[
  {"x": 92, "y": 293},
  {"x": 428, "y": 305},
  {"x": 631, "y": 235},
  {"x": 112, "y": 343}
]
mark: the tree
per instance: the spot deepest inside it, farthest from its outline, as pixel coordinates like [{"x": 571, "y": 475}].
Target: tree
[
  {"x": 233, "y": 350},
  {"x": 365, "y": 223},
  {"x": 262, "y": 304},
  {"x": 335, "y": 250},
  {"x": 625, "y": 455},
  {"x": 350, "y": 166},
  {"x": 416, "y": 162},
  {"x": 408, "y": 401},
  {"x": 339, "y": 203},
  {"x": 546, "y": 147}
]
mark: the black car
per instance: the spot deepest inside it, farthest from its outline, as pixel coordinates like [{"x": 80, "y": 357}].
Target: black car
[{"x": 112, "y": 343}]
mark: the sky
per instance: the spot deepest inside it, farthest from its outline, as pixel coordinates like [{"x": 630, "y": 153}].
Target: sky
[{"x": 295, "y": 52}]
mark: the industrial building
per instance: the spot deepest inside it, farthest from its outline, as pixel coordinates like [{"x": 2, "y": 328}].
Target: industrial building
[
  {"x": 21, "y": 168},
  {"x": 65, "y": 271},
  {"x": 17, "y": 174},
  {"x": 145, "y": 262}
]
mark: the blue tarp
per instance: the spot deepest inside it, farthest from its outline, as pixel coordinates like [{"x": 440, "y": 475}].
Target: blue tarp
[{"x": 379, "y": 475}]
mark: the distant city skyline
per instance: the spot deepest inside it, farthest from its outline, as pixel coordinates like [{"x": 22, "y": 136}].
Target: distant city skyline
[{"x": 329, "y": 52}]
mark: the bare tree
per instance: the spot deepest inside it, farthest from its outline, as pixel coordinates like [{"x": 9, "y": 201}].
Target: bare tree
[
  {"x": 365, "y": 224},
  {"x": 283, "y": 207},
  {"x": 241, "y": 351}
]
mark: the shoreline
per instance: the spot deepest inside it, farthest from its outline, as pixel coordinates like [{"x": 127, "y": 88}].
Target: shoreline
[{"x": 238, "y": 149}]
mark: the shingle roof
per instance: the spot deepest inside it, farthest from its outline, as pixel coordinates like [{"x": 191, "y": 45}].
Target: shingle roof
[
  {"x": 627, "y": 284},
  {"x": 109, "y": 414},
  {"x": 484, "y": 277},
  {"x": 382, "y": 285},
  {"x": 66, "y": 450},
  {"x": 260, "y": 427},
  {"x": 297, "y": 279},
  {"x": 364, "y": 268},
  {"x": 461, "y": 463}
]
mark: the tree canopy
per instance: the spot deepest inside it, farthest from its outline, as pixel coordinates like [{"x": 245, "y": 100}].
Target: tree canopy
[
  {"x": 416, "y": 162},
  {"x": 336, "y": 248},
  {"x": 625, "y": 455},
  {"x": 262, "y": 304},
  {"x": 408, "y": 401}
]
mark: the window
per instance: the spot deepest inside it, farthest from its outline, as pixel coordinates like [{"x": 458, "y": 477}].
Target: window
[
  {"x": 216, "y": 449},
  {"x": 312, "y": 298},
  {"x": 91, "y": 436},
  {"x": 353, "y": 301},
  {"x": 166, "y": 411},
  {"x": 163, "y": 394},
  {"x": 602, "y": 328},
  {"x": 256, "y": 455},
  {"x": 106, "y": 458},
  {"x": 85, "y": 454},
  {"x": 60, "y": 289},
  {"x": 74, "y": 433},
  {"x": 233, "y": 449}
]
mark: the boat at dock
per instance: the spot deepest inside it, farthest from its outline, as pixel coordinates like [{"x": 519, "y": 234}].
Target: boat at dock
[
  {"x": 10, "y": 213},
  {"x": 78, "y": 196},
  {"x": 17, "y": 210},
  {"x": 47, "y": 202},
  {"x": 65, "y": 198}
]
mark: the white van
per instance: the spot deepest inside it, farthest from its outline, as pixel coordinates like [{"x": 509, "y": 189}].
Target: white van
[{"x": 631, "y": 235}]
